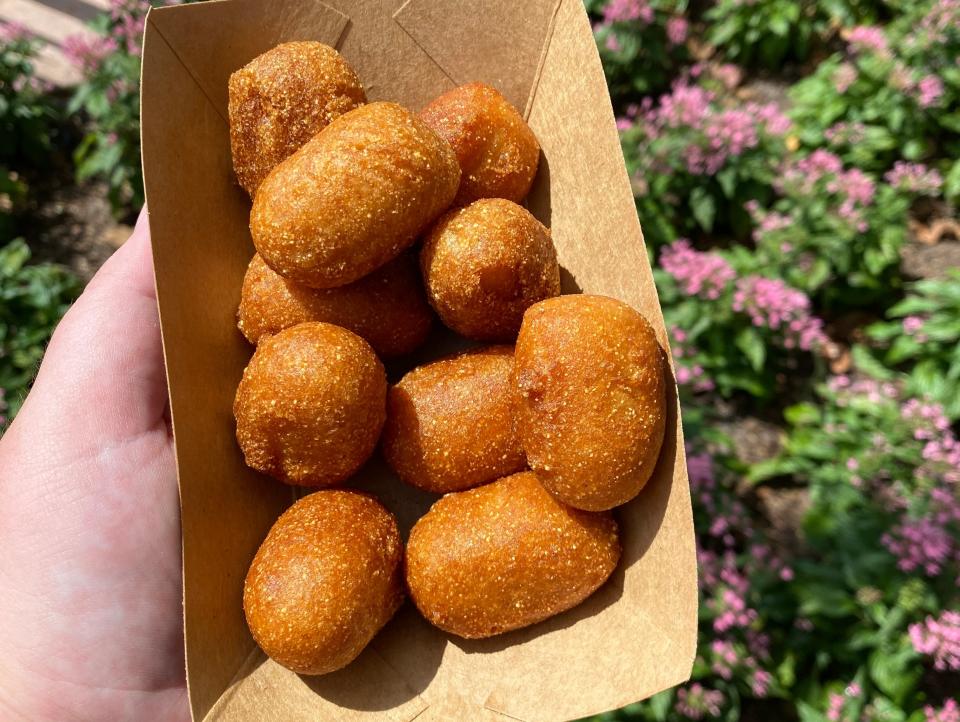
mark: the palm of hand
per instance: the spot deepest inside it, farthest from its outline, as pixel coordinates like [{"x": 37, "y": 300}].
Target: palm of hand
[{"x": 90, "y": 590}]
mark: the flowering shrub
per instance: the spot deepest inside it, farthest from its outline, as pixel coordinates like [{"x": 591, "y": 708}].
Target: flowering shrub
[
  {"x": 695, "y": 162},
  {"x": 836, "y": 231},
  {"x": 110, "y": 97},
  {"x": 26, "y": 118},
  {"x": 642, "y": 43},
  {"x": 923, "y": 338},
  {"x": 893, "y": 94},
  {"x": 732, "y": 333},
  {"x": 32, "y": 300},
  {"x": 771, "y": 31},
  {"x": 26, "y": 112}
]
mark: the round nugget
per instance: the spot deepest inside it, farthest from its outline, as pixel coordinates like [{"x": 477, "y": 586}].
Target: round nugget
[
  {"x": 311, "y": 405},
  {"x": 451, "y": 424},
  {"x": 592, "y": 401},
  {"x": 388, "y": 308},
  {"x": 325, "y": 581},
  {"x": 485, "y": 264},
  {"x": 354, "y": 197},
  {"x": 506, "y": 555},
  {"x": 498, "y": 152},
  {"x": 280, "y": 100}
]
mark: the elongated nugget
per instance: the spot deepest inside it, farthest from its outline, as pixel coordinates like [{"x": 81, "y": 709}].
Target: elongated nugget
[
  {"x": 354, "y": 197},
  {"x": 310, "y": 405},
  {"x": 451, "y": 424},
  {"x": 485, "y": 264},
  {"x": 592, "y": 399},
  {"x": 498, "y": 152},
  {"x": 388, "y": 308},
  {"x": 325, "y": 581},
  {"x": 281, "y": 99},
  {"x": 506, "y": 555}
]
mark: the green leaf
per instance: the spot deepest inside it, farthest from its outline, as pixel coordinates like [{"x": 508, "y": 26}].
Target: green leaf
[
  {"x": 802, "y": 414},
  {"x": 703, "y": 207},
  {"x": 751, "y": 344},
  {"x": 809, "y": 714},
  {"x": 895, "y": 674},
  {"x": 660, "y": 705}
]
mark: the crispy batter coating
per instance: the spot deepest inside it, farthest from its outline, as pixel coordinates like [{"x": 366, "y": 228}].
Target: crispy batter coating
[
  {"x": 451, "y": 424},
  {"x": 388, "y": 308},
  {"x": 325, "y": 581},
  {"x": 354, "y": 197},
  {"x": 498, "y": 152},
  {"x": 283, "y": 98},
  {"x": 311, "y": 405},
  {"x": 485, "y": 264},
  {"x": 592, "y": 399},
  {"x": 506, "y": 555}
]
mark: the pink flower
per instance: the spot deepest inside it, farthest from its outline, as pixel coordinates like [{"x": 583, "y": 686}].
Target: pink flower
[
  {"x": 912, "y": 324},
  {"x": 696, "y": 701},
  {"x": 612, "y": 43},
  {"x": 13, "y": 32},
  {"x": 920, "y": 544},
  {"x": 698, "y": 274},
  {"x": 950, "y": 712},
  {"x": 677, "y": 28},
  {"x": 939, "y": 638},
  {"x": 770, "y": 303},
  {"x": 844, "y": 76},
  {"x": 868, "y": 38},
  {"x": 624, "y": 124},
  {"x": 87, "y": 54},
  {"x": 914, "y": 178},
  {"x": 930, "y": 90},
  {"x": 619, "y": 11}
]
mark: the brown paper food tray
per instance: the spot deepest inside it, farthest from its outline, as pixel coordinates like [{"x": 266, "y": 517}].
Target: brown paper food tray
[{"x": 637, "y": 635}]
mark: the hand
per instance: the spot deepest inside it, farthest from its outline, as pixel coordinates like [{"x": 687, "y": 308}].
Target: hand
[{"x": 90, "y": 590}]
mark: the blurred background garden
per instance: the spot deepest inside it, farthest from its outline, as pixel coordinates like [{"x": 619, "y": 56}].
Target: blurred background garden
[{"x": 796, "y": 167}]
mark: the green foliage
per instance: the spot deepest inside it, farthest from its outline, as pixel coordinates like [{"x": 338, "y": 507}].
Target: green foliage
[
  {"x": 33, "y": 298},
  {"x": 26, "y": 111},
  {"x": 923, "y": 338},
  {"x": 900, "y": 101},
  {"x": 640, "y": 57}
]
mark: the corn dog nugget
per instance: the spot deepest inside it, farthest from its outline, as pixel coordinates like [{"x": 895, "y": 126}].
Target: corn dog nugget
[
  {"x": 485, "y": 264},
  {"x": 354, "y": 197},
  {"x": 506, "y": 555},
  {"x": 281, "y": 99},
  {"x": 592, "y": 399},
  {"x": 325, "y": 581},
  {"x": 310, "y": 405},
  {"x": 388, "y": 308},
  {"x": 451, "y": 424},
  {"x": 497, "y": 151}
]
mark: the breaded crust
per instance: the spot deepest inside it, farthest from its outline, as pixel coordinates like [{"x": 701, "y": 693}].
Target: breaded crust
[
  {"x": 311, "y": 405},
  {"x": 506, "y": 555},
  {"x": 354, "y": 197},
  {"x": 498, "y": 152},
  {"x": 325, "y": 581},
  {"x": 485, "y": 264},
  {"x": 451, "y": 424},
  {"x": 592, "y": 399},
  {"x": 388, "y": 308},
  {"x": 281, "y": 99}
]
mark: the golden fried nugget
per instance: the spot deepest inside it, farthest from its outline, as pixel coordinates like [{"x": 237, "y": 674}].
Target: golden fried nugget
[
  {"x": 281, "y": 99},
  {"x": 354, "y": 197},
  {"x": 506, "y": 555},
  {"x": 311, "y": 405},
  {"x": 325, "y": 581},
  {"x": 451, "y": 424},
  {"x": 592, "y": 399},
  {"x": 388, "y": 308},
  {"x": 498, "y": 152},
  {"x": 485, "y": 264}
]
